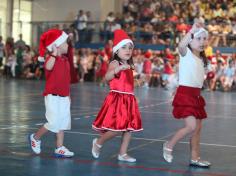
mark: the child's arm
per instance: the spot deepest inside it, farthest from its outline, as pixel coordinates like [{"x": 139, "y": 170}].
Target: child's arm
[
  {"x": 113, "y": 69},
  {"x": 182, "y": 47},
  {"x": 51, "y": 61}
]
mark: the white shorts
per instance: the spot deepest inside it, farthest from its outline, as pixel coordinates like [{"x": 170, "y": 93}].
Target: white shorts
[{"x": 57, "y": 113}]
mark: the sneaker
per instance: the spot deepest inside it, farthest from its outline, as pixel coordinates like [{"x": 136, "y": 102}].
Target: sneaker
[
  {"x": 167, "y": 153},
  {"x": 126, "y": 157},
  {"x": 95, "y": 152},
  {"x": 35, "y": 144},
  {"x": 199, "y": 163},
  {"x": 63, "y": 152}
]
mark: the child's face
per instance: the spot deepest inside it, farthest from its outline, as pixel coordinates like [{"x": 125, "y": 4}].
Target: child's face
[
  {"x": 199, "y": 42},
  {"x": 125, "y": 52},
  {"x": 63, "y": 48}
]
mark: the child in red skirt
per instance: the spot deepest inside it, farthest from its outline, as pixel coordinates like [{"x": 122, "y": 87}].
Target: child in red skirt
[
  {"x": 119, "y": 113},
  {"x": 188, "y": 103}
]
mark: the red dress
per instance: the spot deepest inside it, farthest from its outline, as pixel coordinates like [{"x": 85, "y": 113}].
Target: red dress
[{"x": 120, "y": 110}]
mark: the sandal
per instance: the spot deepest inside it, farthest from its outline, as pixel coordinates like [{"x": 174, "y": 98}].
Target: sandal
[
  {"x": 126, "y": 157},
  {"x": 95, "y": 152},
  {"x": 199, "y": 163},
  {"x": 167, "y": 153}
]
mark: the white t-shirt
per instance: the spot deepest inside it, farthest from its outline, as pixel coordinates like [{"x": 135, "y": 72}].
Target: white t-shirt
[
  {"x": 82, "y": 22},
  {"x": 191, "y": 70}
]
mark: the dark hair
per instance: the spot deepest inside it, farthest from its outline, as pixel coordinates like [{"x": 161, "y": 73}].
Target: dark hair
[
  {"x": 202, "y": 56},
  {"x": 117, "y": 58}
]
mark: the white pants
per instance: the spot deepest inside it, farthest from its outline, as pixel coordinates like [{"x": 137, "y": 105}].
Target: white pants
[{"x": 57, "y": 113}]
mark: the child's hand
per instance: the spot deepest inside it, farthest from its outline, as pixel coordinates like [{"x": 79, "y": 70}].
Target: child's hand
[
  {"x": 121, "y": 67},
  {"x": 124, "y": 67},
  {"x": 196, "y": 27}
]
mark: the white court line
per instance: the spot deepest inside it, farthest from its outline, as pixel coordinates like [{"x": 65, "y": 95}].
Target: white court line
[
  {"x": 77, "y": 118},
  {"x": 25, "y": 95},
  {"x": 151, "y": 142},
  {"x": 88, "y": 107},
  {"x": 233, "y": 104},
  {"x": 156, "y": 112},
  {"x": 162, "y": 139},
  {"x": 151, "y": 105},
  {"x": 39, "y": 124},
  {"x": 209, "y": 115},
  {"x": 135, "y": 138},
  {"x": 84, "y": 114},
  {"x": 14, "y": 126}
]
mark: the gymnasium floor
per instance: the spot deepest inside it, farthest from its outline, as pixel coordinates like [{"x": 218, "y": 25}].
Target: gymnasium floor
[{"x": 22, "y": 112}]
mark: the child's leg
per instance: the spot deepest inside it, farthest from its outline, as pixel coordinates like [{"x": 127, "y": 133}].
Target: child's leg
[
  {"x": 106, "y": 136},
  {"x": 126, "y": 137},
  {"x": 195, "y": 141},
  {"x": 190, "y": 125},
  {"x": 61, "y": 150},
  {"x": 35, "y": 142},
  {"x": 60, "y": 139},
  {"x": 40, "y": 133},
  {"x": 123, "y": 156},
  {"x": 195, "y": 148},
  {"x": 101, "y": 140}
]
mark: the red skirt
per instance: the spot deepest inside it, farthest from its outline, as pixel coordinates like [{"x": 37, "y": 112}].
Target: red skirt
[
  {"x": 119, "y": 112},
  {"x": 188, "y": 102}
]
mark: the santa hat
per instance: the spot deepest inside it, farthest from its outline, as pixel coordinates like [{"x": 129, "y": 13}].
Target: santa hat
[
  {"x": 148, "y": 54},
  {"x": 50, "y": 38},
  {"x": 120, "y": 39}
]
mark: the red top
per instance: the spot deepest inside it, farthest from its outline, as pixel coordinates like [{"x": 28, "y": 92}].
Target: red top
[
  {"x": 123, "y": 81},
  {"x": 58, "y": 79},
  {"x": 168, "y": 69},
  {"x": 147, "y": 66}
]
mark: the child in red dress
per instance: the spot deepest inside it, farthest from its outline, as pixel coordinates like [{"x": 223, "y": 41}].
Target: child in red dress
[{"x": 119, "y": 113}]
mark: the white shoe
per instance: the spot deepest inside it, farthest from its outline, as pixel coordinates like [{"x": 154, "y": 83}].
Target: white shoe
[
  {"x": 167, "y": 153},
  {"x": 95, "y": 152},
  {"x": 35, "y": 144},
  {"x": 200, "y": 163},
  {"x": 126, "y": 158},
  {"x": 63, "y": 152}
]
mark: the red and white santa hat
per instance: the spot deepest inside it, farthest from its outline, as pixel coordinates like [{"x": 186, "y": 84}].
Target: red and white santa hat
[
  {"x": 50, "y": 38},
  {"x": 120, "y": 39}
]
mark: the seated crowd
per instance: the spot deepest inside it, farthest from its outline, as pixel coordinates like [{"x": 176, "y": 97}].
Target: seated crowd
[
  {"x": 162, "y": 22},
  {"x": 148, "y": 22}
]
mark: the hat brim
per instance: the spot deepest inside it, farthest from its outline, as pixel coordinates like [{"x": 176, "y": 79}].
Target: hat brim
[
  {"x": 58, "y": 41},
  {"x": 121, "y": 43},
  {"x": 200, "y": 31}
]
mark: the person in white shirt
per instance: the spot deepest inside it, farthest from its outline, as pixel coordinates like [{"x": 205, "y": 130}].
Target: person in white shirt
[
  {"x": 188, "y": 103},
  {"x": 82, "y": 25},
  {"x": 229, "y": 74}
]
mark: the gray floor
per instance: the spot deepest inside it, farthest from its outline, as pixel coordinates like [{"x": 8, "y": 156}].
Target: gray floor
[{"x": 22, "y": 112}]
